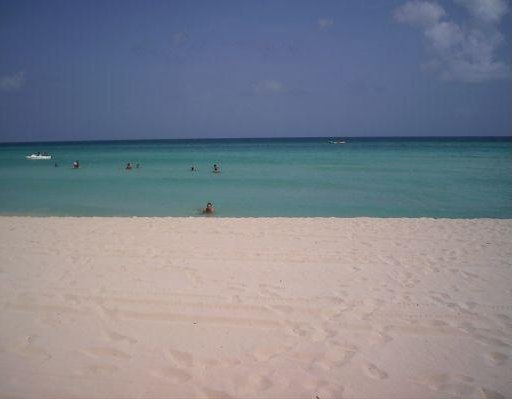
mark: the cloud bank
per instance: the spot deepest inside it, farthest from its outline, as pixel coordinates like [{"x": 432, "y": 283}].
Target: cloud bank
[
  {"x": 12, "y": 82},
  {"x": 460, "y": 52}
]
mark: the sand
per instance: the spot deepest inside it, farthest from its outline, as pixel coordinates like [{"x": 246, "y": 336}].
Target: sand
[{"x": 255, "y": 308}]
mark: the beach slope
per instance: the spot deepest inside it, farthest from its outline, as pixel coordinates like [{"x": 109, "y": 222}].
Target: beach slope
[{"x": 254, "y": 308}]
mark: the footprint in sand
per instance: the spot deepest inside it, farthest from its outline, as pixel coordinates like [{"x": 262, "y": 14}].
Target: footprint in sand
[
  {"x": 215, "y": 394},
  {"x": 72, "y": 299},
  {"x": 258, "y": 382},
  {"x": 328, "y": 390},
  {"x": 107, "y": 352},
  {"x": 100, "y": 369},
  {"x": 487, "y": 393},
  {"x": 28, "y": 349},
  {"x": 183, "y": 359},
  {"x": 265, "y": 353},
  {"x": 505, "y": 320},
  {"x": 374, "y": 372},
  {"x": 457, "y": 384},
  {"x": 115, "y": 336},
  {"x": 271, "y": 291},
  {"x": 491, "y": 341},
  {"x": 504, "y": 317},
  {"x": 235, "y": 288},
  {"x": 172, "y": 374},
  {"x": 175, "y": 372},
  {"x": 438, "y": 323},
  {"x": 496, "y": 358}
]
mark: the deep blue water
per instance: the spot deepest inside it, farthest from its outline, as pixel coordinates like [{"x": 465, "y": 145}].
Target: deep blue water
[{"x": 384, "y": 177}]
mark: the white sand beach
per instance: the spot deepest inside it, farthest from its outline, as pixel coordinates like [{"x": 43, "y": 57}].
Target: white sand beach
[{"x": 255, "y": 308}]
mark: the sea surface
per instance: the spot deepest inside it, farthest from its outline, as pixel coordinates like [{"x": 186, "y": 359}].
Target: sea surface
[{"x": 384, "y": 177}]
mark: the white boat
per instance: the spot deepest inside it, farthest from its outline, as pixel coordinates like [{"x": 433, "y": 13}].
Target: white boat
[
  {"x": 337, "y": 142},
  {"x": 37, "y": 156}
]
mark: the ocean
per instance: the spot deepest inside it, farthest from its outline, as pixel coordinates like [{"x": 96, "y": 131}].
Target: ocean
[{"x": 374, "y": 177}]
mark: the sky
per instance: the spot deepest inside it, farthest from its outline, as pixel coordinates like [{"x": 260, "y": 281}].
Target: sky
[{"x": 101, "y": 70}]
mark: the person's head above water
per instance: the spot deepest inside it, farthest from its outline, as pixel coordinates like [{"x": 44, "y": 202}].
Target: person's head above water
[{"x": 209, "y": 208}]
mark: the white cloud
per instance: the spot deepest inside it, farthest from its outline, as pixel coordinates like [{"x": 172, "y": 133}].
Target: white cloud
[
  {"x": 476, "y": 72},
  {"x": 12, "y": 82},
  {"x": 444, "y": 36},
  {"x": 419, "y": 13},
  {"x": 325, "y": 23},
  {"x": 488, "y": 11},
  {"x": 268, "y": 87},
  {"x": 460, "y": 52}
]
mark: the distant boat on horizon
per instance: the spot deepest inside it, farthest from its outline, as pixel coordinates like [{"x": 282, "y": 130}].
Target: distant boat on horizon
[{"x": 337, "y": 141}]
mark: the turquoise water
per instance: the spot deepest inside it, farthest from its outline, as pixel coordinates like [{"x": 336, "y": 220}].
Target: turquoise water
[{"x": 453, "y": 178}]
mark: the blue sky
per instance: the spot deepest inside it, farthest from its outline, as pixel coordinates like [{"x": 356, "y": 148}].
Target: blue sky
[{"x": 73, "y": 70}]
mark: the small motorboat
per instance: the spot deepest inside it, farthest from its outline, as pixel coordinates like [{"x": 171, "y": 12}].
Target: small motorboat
[
  {"x": 337, "y": 142},
  {"x": 39, "y": 156}
]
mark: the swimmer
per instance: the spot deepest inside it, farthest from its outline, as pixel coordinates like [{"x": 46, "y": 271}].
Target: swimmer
[
  {"x": 128, "y": 166},
  {"x": 137, "y": 166},
  {"x": 209, "y": 209},
  {"x": 216, "y": 168},
  {"x": 193, "y": 168},
  {"x": 76, "y": 165}
]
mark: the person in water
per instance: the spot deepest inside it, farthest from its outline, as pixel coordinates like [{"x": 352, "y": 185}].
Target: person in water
[
  {"x": 76, "y": 165},
  {"x": 216, "y": 168},
  {"x": 128, "y": 166},
  {"x": 209, "y": 209},
  {"x": 193, "y": 168},
  {"x": 137, "y": 166},
  {"x": 56, "y": 165}
]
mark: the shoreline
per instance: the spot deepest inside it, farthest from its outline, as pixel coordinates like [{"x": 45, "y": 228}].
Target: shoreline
[
  {"x": 216, "y": 217},
  {"x": 255, "y": 307}
]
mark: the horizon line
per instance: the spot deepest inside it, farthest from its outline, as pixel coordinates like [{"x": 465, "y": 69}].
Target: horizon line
[{"x": 250, "y": 138}]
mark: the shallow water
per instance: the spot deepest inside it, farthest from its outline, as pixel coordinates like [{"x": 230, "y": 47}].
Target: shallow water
[{"x": 453, "y": 178}]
